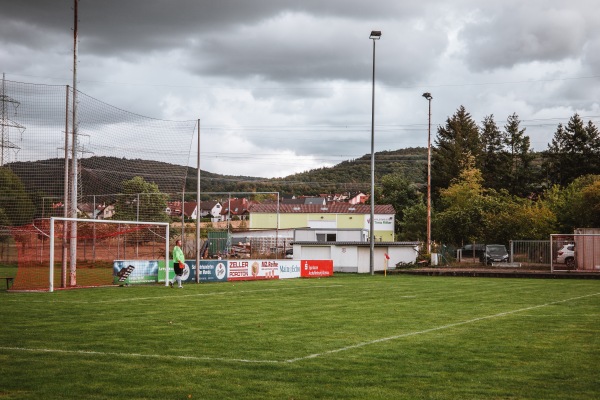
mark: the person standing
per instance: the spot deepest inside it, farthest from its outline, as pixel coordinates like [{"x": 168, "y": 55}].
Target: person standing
[{"x": 178, "y": 264}]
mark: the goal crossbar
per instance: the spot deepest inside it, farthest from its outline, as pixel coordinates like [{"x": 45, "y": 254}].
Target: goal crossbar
[{"x": 104, "y": 221}]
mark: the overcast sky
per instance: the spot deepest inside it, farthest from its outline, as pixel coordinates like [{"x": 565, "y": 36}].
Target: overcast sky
[{"x": 284, "y": 86}]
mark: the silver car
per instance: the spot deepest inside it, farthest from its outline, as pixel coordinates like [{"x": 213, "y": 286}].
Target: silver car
[{"x": 566, "y": 255}]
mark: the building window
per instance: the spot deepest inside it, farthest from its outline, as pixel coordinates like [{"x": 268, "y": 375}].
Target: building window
[{"x": 326, "y": 237}]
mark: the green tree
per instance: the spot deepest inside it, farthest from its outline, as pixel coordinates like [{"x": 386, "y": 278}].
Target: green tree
[
  {"x": 590, "y": 196},
  {"x": 495, "y": 162},
  {"x": 577, "y": 205},
  {"x": 413, "y": 225},
  {"x": 574, "y": 152},
  {"x": 521, "y": 175},
  {"x": 397, "y": 190},
  {"x": 14, "y": 200},
  {"x": 456, "y": 141},
  {"x": 141, "y": 201},
  {"x": 462, "y": 208},
  {"x": 508, "y": 217}
]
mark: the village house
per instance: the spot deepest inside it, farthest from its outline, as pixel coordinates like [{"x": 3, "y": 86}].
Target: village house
[{"x": 235, "y": 209}]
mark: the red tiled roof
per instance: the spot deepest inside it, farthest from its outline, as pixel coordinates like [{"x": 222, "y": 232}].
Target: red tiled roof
[
  {"x": 333, "y": 208},
  {"x": 238, "y": 207},
  {"x": 189, "y": 207}
]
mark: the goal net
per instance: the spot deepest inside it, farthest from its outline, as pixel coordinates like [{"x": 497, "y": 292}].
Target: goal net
[
  {"x": 94, "y": 161},
  {"x": 50, "y": 255}
]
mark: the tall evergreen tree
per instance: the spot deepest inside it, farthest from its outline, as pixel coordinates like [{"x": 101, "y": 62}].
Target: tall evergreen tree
[
  {"x": 574, "y": 151},
  {"x": 455, "y": 142},
  {"x": 520, "y": 173},
  {"x": 494, "y": 161}
]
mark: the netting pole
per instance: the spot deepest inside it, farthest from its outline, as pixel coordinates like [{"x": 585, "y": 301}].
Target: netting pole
[
  {"x": 183, "y": 216},
  {"x": 63, "y": 275},
  {"x": 198, "y": 209},
  {"x": 51, "y": 278},
  {"x": 551, "y": 254},
  {"x": 137, "y": 218},
  {"x": 94, "y": 231},
  {"x": 167, "y": 256}
]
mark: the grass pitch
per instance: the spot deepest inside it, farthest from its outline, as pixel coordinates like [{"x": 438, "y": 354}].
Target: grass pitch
[{"x": 345, "y": 337}]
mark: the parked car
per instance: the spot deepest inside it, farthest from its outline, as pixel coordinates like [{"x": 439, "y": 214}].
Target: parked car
[
  {"x": 473, "y": 250},
  {"x": 566, "y": 255},
  {"x": 494, "y": 253}
]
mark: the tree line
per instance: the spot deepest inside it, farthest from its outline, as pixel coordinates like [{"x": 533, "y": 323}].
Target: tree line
[
  {"x": 487, "y": 183},
  {"x": 489, "y": 186}
]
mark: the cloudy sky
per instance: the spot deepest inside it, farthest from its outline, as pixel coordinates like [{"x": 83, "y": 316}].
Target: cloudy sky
[{"x": 284, "y": 86}]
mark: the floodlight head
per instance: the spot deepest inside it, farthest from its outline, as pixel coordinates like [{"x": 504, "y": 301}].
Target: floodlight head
[
  {"x": 427, "y": 95},
  {"x": 375, "y": 35}
]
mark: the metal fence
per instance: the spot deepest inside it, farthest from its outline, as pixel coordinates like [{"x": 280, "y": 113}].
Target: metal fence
[{"x": 530, "y": 252}]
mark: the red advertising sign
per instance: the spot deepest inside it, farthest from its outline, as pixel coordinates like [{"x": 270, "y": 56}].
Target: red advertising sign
[{"x": 316, "y": 268}]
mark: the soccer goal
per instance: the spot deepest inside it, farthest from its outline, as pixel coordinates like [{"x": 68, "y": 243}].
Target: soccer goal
[{"x": 85, "y": 251}]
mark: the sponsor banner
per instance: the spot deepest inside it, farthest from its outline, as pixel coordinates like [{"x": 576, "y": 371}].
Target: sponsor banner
[
  {"x": 381, "y": 222},
  {"x": 127, "y": 272},
  {"x": 239, "y": 270},
  {"x": 316, "y": 268},
  {"x": 189, "y": 273},
  {"x": 289, "y": 269},
  {"x": 245, "y": 270},
  {"x": 213, "y": 271}
]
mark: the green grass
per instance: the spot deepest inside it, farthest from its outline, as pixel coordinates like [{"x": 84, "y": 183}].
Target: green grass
[{"x": 345, "y": 337}]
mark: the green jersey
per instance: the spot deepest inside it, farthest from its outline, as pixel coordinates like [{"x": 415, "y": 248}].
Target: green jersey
[{"x": 178, "y": 254}]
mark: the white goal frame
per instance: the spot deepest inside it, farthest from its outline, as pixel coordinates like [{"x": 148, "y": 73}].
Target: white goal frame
[{"x": 104, "y": 221}]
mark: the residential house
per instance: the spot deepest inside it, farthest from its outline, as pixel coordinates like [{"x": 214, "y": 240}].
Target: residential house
[
  {"x": 210, "y": 209},
  {"x": 174, "y": 209},
  {"x": 235, "y": 208},
  {"x": 315, "y": 200},
  {"x": 190, "y": 210},
  {"x": 359, "y": 198},
  {"x": 100, "y": 211}
]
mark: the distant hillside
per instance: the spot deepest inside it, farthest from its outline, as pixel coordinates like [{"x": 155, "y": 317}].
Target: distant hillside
[
  {"x": 355, "y": 175},
  {"x": 352, "y": 175},
  {"x": 104, "y": 175}
]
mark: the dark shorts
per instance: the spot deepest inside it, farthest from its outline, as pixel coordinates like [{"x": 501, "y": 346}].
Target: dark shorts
[{"x": 178, "y": 270}]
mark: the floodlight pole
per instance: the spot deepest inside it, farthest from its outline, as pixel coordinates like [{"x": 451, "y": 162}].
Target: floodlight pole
[
  {"x": 73, "y": 249},
  {"x": 63, "y": 279},
  {"x": 375, "y": 35},
  {"x": 428, "y": 96},
  {"x": 198, "y": 209}
]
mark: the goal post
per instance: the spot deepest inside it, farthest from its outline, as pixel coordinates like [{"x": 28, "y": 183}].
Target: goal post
[{"x": 134, "y": 224}]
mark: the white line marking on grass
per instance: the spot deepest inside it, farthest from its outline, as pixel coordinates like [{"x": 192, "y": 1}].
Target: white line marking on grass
[
  {"x": 137, "y": 355},
  {"x": 170, "y": 296},
  {"x": 363, "y": 344},
  {"x": 293, "y": 360}
]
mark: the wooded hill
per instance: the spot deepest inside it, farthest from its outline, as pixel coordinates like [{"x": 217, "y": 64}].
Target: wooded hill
[{"x": 104, "y": 175}]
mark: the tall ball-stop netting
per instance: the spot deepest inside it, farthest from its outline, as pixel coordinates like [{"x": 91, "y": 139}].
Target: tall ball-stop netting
[{"x": 120, "y": 166}]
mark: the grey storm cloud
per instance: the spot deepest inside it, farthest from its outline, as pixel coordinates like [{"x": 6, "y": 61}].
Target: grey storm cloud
[
  {"x": 524, "y": 32},
  {"x": 293, "y": 77}
]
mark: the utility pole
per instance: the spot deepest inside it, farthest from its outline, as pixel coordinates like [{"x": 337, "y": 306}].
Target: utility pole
[
  {"x": 6, "y": 124},
  {"x": 428, "y": 96}
]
